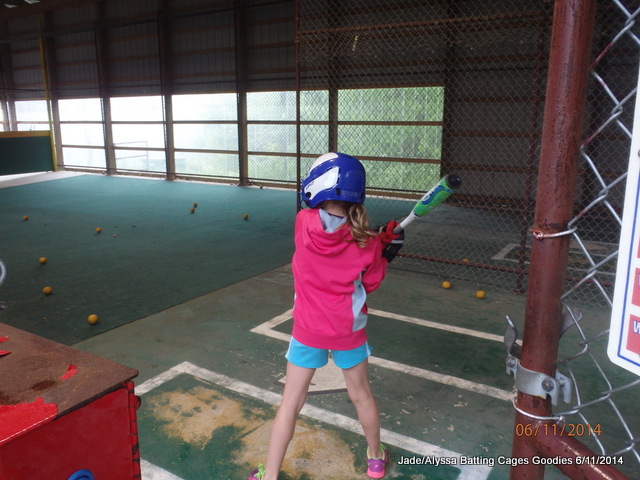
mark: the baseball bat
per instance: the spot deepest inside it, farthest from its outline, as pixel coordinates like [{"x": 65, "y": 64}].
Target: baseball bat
[{"x": 446, "y": 186}]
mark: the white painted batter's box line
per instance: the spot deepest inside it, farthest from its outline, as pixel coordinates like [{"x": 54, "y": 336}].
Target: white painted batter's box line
[
  {"x": 268, "y": 329},
  {"x": 423, "y": 449}
]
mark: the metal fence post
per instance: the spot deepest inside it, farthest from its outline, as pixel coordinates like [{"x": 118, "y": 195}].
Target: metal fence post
[{"x": 573, "y": 22}]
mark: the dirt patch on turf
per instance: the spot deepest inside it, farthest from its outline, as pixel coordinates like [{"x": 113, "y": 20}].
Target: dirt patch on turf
[
  {"x": 313, "y": 451},
  {"x": 192, "y": 416}
]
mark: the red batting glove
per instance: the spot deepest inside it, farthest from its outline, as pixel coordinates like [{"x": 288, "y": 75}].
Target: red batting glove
[{"x": 386, "y": 234}]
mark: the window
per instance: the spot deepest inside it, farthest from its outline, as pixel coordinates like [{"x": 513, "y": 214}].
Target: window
[
  {"x": 403, "y": 125},
  {"x": 138, "y": 133},
  {"x": 82, "y": 132},
  {"x": 206, "y": 134},
  {"x": 396, "y": 132},
  {"x": 271, "y": 135},
  {"x": 32, "y": 115}
]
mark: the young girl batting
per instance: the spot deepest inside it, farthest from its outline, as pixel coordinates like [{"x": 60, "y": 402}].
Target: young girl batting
[{"x": 338, "y": 260}]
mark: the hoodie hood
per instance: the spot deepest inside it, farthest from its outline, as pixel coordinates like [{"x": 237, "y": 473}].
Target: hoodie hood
[{"x": 316, "y": 239}]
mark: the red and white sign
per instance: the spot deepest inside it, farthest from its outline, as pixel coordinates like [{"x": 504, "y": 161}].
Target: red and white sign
[{"x": 624, "y": 334}]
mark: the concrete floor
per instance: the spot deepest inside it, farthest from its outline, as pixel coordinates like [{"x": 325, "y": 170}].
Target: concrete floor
[{"x": 211, "y": 371}]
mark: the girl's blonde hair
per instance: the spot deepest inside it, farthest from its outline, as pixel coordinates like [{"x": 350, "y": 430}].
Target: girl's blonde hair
[{"x": 357, "y": 221}]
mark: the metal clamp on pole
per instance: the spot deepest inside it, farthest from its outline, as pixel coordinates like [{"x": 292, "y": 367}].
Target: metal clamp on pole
[
  {"x": 540, "y": 385},
  {"x": 531, "y": 382}
]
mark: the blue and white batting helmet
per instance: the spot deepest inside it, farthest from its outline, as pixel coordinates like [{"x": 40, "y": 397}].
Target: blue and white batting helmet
[{"x": 334, "y": 176}]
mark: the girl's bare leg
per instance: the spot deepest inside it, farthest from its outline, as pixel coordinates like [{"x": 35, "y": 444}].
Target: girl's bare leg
[
  {"x": 357, "y": 380},
  {"x": 293, "y": 399}
]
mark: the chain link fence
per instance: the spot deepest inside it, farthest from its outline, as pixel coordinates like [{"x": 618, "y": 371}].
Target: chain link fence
[
  {"x": 459, "y": 87},
  {"x": 604, "y": 395},
  {"x": 438, "y": 88},
  {"x": 605, "y": 153}
]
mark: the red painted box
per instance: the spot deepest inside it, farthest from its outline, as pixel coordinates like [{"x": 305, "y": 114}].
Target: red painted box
[{"x": 64, "y": 414}]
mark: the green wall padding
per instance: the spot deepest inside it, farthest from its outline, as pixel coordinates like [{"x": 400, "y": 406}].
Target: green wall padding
[{"x": 25, "y": 152}]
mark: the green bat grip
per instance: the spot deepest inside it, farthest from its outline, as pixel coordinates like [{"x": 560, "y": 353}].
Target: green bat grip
[{"x": 447, "y": 186}]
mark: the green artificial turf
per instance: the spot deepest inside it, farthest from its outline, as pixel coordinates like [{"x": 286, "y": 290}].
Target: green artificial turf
[{"x": 152, "y": 252}]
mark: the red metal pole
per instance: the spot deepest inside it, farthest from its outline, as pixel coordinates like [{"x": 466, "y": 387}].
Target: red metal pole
[
  {"x": 572, "y": 31},
  {"x": 564, "y": 452}
]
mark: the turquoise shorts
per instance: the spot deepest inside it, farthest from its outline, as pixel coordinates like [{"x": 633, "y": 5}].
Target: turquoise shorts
[{"x": 310, "y": 357}]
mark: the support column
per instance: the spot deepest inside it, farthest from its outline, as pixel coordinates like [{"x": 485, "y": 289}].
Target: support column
[{"x": 573, "y": 23}]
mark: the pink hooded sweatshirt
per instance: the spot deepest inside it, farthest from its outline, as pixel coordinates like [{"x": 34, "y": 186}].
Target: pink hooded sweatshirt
[{"x": 332, "y": 277}]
